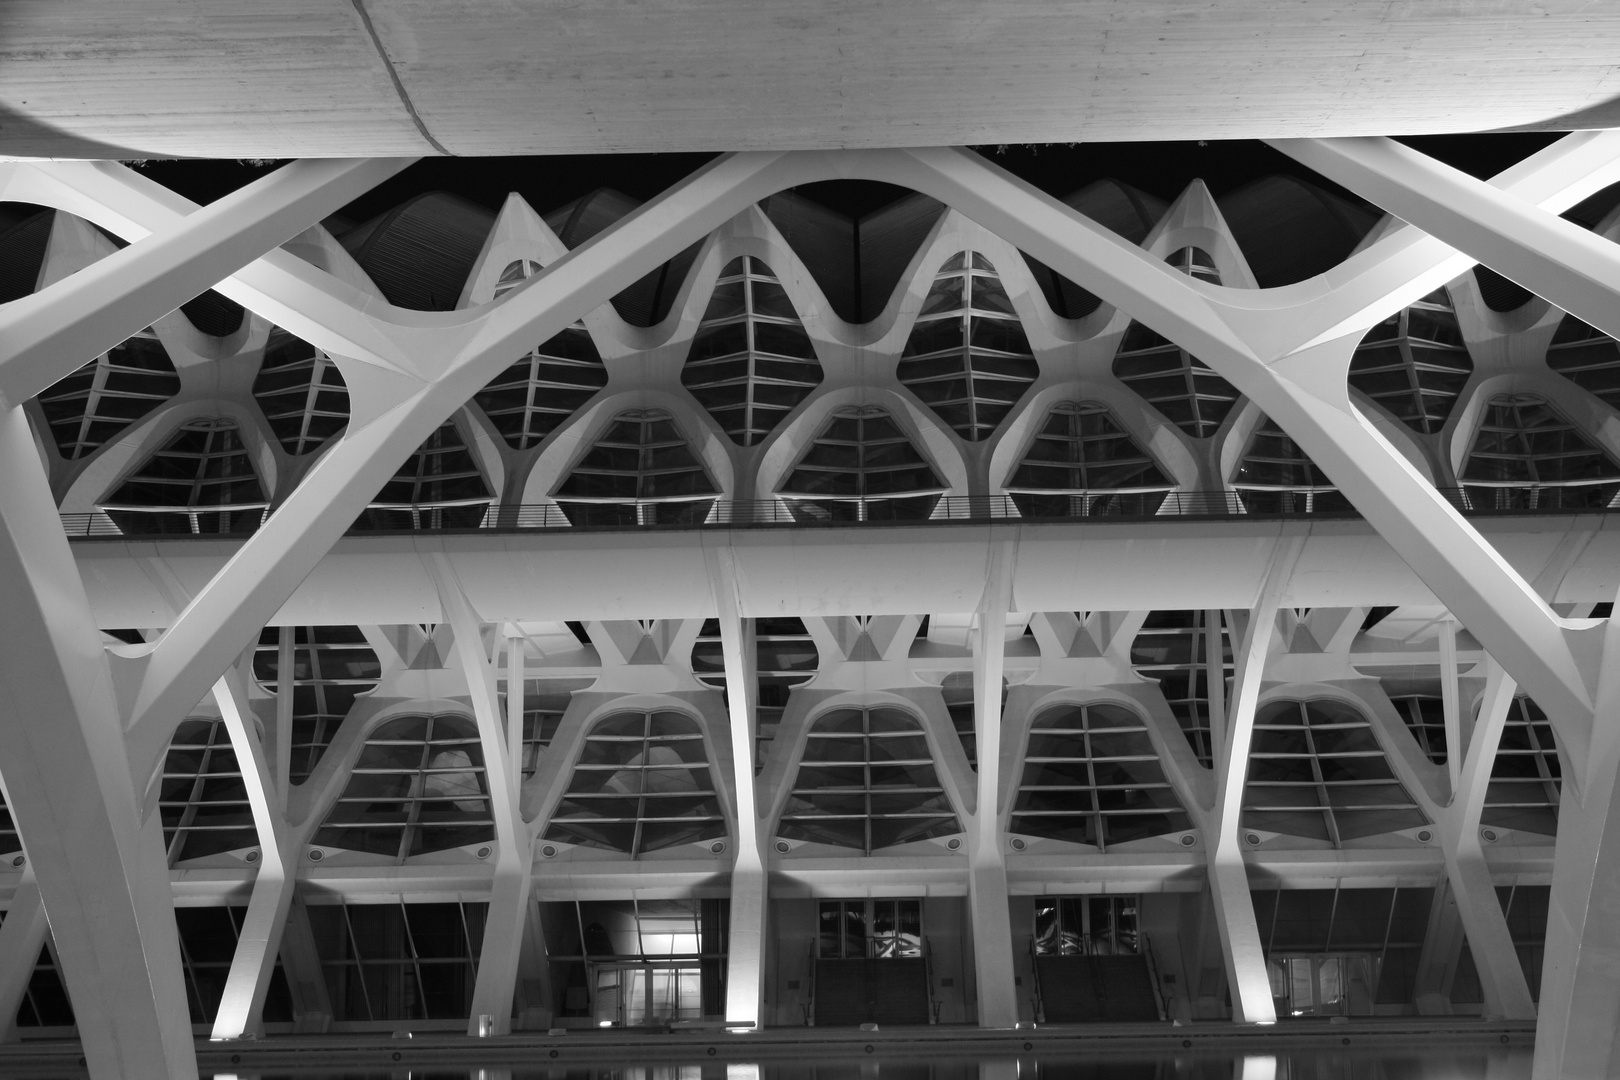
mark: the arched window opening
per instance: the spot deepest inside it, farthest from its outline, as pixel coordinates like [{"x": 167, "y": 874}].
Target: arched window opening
[
  {"x": 1414, "y": 363},
  {"x": 751, "y": 362},
  {"x": 1526, "y": 778},
  {"x": 1092, "y": 776},
  {"x": 1276, "y": 476},
  {"x": 203, "y": 800},
  {"x": 532, "y": 398},
  {"x": 302, "y": 393},
  {"x": 90, "y": 407},
  {"x": 1172, "y": 647},
  {"x": 640, "y": 471},
  {"x": 862, "y": 467},
  {"x": 1168, "y": 377},
  {"x": 642, "y": 783},
  {"x": 1080, "y": 462},
  {"x": 967, "y": 357},
  {"x": 1316, "y": 770},
  {"x": 418, "y": 786},
  {"x": 1527, "y": 456},
  {"x": 332, "y": 665},
  {"x": 1587, "y": 357},
  {"x": 399, "y": 961},
  {"x": 201, "y": 481},
  {"x": 439, "y": 487},
  {"x": 867, "y": 781}
]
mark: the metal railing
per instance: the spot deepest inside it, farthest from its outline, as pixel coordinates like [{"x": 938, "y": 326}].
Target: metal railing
[{"x": 481, "y": 515}]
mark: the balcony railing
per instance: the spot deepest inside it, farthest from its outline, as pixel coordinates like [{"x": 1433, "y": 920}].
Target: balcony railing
[{"x": 483, "y": 516}]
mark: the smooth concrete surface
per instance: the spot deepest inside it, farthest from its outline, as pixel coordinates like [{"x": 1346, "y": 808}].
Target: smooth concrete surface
[
  {"x": 309, "y": 78},
  {"x": 1093, "y": 566}
]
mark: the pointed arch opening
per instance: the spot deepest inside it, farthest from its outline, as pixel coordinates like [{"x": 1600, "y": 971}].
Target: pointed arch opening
[
  {"x": 751, "y": 362},
  {"x": 201, "y": 480},
  {"x": 968, "y": 358},
  {"x": 861, "y": 466}
]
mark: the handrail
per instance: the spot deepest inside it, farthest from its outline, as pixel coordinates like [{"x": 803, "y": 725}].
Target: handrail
[
  {"x": 484, "y": 515},
  {"x": 1035, "y": 977},
  {"x": 1153, "y": 973},
  {"x": 810, "y": 1009},
  {"x": 928, "y": 977}
]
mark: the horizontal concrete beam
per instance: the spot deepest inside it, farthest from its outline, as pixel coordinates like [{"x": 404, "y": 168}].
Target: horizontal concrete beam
[{"x": 867, "y": 571}]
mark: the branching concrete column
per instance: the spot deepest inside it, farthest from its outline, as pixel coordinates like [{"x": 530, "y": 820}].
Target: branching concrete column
[
  {"x": 750, "y": 899},
  {"x": 1228, "y": 877},
  {"x": 21, "y": 937},
  {"x": 102, "y": 873},
  {"x": 1501, "y": 978},
  {"x": 987, "y": 867},
  {"x": 241, "y": 1007},
  {"x": 509, "y": 892},
  {"x": 1577, "y": 1036}
]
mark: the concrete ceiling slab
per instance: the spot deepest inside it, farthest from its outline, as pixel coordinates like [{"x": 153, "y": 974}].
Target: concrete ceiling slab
[{"x": 297, "y": 78}]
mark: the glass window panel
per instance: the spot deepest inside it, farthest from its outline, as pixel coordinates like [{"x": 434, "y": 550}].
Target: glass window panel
[
  {"x": 884, "y": 786},
  {"x": 1080, "y": 774}
]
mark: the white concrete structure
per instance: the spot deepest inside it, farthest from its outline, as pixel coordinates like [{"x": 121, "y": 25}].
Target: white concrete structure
[{"x": 1221, "y": 700}]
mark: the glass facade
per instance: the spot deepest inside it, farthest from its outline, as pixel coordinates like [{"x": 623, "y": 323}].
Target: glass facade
[
  {"x": 635, "y": 963},
  {"x": 1415, "y": 364},
  {"x": 1079, "y": 457},
  {"x": 1316, "y": 770},
  {"x": 641, "y": 783},
  {"x": 1172, "y": 380},
  {"x": 640, "y": 470},
  {"x": 201, "y": 481},
  {"x": 203, "y": 800},
  {"x": 1086, "y": 926},
  {"x": 1587, "y": 357},
  {"x": 1524, "y": 444},
  {"x": 332, "y": 665},
  {"x": 861, "y": 466},
  {"x": 967, "y": 358},
  {"x": 532, "y": 398},
  {"x": 1092, "y": 776},
  {"x": 751, "y": 361},
  {"x": 302, "y": 393},
  {"x": 399, "y": 961},
  {"x": 866, "y": 781},
  {"x": 1275, "y": 475},
  {"x": 1340, "y": 952},
  {"x": 1172, "y": 647},
  {"x": 418, "y": 786},
  {"x": 439, "y": 487},
  {"x": 869, "y": 929},
  {"x": 93, "y": 405}
]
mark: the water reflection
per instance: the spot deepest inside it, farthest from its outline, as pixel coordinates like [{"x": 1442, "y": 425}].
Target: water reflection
[{"x": 1460, "y": 1063}]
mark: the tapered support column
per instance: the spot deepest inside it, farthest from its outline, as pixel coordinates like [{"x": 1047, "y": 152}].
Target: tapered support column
[
  {"x": 509, "y": 891},
  {"x": 1241, "y": 947},
  {"x": 750, "y": 899},
  {"x": 987, "y": 867},
  {"x": 1577, "y": 1035},
  {"x": 21, "y": 937},
  {"x": 102, "y": 873},
  {"x": 241, "y": 1006},
  {"x": 1501, "y": 977}
]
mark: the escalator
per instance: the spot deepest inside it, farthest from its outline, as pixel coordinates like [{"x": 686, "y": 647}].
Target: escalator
[
  {"x": 1089, "y": 989},
  {"x": 892, "y": 990}
]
